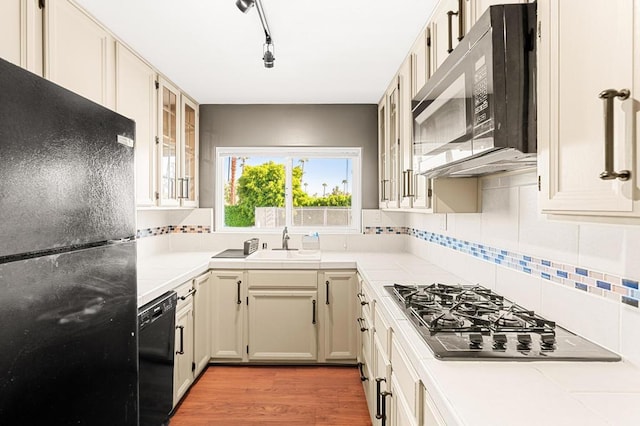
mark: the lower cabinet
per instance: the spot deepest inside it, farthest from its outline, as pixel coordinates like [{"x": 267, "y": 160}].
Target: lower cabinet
[
  {"x": 228, "y": 311},
  {"x": 201, "y": 323},
  {"x": 183, "y": 360},
  {"x": 192, "y": 331},
  {"x": 283, "y": 316},
  {"x": 283, "y": 325},
  {"x": 383, "y": 396},
  {"x": 338, "y": 315}
]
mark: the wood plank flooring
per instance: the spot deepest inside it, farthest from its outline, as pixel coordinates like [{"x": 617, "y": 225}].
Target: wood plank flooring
[{"x": 273, "y": 395}]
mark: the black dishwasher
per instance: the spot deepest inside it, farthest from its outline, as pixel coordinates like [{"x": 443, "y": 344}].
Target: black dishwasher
[{"x": 156, "y": 322}]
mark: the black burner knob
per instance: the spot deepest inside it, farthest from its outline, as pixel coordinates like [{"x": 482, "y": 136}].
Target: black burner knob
[
  {"x": 524, "y": 341},
  {"x": 499, "y": 341},
  {"x": 547, "y": 340},
  {"x": 475, "y": 340}
]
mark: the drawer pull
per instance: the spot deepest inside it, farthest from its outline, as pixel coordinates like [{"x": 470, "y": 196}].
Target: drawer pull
[
  {"x": 313, "y": 318},
  {"x": 362, "y": 324},
  {"x": 239, "y": 302},
  {"x": 362, "y": 300}
]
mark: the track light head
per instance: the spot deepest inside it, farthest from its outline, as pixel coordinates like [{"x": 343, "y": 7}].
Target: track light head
[
  {"x": 245, "y": 5},
  {"x": 268, "y": 59}
]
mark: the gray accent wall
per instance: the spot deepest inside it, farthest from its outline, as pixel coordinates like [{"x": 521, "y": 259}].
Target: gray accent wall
[{"x": 334, "y": 125}]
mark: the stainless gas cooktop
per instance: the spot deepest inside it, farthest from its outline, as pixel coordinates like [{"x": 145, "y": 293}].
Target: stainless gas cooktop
[{"x": 472, "y": 322}]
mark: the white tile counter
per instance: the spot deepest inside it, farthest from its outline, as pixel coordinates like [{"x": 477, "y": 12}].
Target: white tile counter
[{"x": 466, "y": 392}]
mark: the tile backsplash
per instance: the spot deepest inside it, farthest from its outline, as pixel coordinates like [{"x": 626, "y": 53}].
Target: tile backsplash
[{"x": 617, "y": 288}]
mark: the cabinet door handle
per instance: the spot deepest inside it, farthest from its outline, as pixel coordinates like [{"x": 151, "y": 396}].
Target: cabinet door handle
[
  {"x": 184, "y": 188},
  {"x": 383, "y": 415},
  {"x": 608, "y": 96},
  {"x": 326, "y": 283},
  {"x": 363, "y": 378},
  {"x": 313, "y": 313},
  {"x": 181, "y": 351},
  {"x": 239, "y": 302},
  {"x": 361, "y": 323},
  {"x": 450, "y": 15},
  {"x": 384, "y": 190},
  {"x": 379, "y": 396}
]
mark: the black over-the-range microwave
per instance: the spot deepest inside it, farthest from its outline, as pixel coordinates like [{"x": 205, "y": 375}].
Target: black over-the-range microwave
[{"x": 477, "y": 112}]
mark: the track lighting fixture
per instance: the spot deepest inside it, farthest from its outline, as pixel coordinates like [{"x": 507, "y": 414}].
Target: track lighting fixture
[{"x": 268, "y": 48}]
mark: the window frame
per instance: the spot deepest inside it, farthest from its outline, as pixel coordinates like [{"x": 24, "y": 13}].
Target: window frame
[{"x": 289, "y": 154}]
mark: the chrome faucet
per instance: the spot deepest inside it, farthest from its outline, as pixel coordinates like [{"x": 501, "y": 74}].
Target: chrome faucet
[{"x": 285, "y": 239}]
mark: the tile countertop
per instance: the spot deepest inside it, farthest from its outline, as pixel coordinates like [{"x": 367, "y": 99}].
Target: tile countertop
[{"x": 466, "y": 392}]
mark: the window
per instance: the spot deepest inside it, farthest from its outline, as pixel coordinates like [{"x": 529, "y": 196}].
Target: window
[{"x": 302, "y": 188}]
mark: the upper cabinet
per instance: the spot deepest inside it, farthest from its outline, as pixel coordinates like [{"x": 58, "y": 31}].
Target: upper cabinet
[
  {"x": 60, "y": 41},
  {"x": 420, "y": 57},
  {"x": 178, "y": 147},
  {"x": 21, "y": 41},
  {"x": 136, "y": 99},
  {"x": 79, "y": 53},
  {"x": 588, "y": 162},
  {"x": 189, "y": 182},
  {"x": 447, "y": 29}
]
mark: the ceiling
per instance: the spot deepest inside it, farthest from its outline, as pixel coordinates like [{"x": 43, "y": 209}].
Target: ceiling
[{"x": 327, "y": 51}]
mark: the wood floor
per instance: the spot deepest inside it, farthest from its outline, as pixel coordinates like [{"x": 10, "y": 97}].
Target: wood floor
[{"x": 266, "y": 395}]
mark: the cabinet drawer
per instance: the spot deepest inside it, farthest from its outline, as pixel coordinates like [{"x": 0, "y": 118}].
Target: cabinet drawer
[
  {"x": 365, "y": 298},
  {"x": 383, "y": 330},
  {"x": 184, "y": 292},
  {"x": 408, "y": 381},
  {"x": 283, "y": 279},
  {"x": 430, "y": 414}
]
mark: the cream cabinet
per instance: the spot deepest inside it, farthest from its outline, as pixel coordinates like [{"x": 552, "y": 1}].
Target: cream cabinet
[
  {"x": 178, "y": 147},
  {"x": 587, "y": 161},
  {"x": 405, "y": 136},
  {"x": 183, "y": 360},
  {"x": 389, "y": 145},
  {"x": 420, "y": 61},
  {"x": 283, "y": 315},
  {"x": 383, "y": 396},
  {"x": 383, "y": 155},
  {"x": 188, "y": 179},
  {"x": 430, "y": 414},
  {"x": 21, "y": 41},
  {"x": 448, "y": 27},
  {"x": 365, "y": 346},
  {"x": 338, "y": 315},
  {"x": 79, "y": 52},
  {"x": 136, "y": 99},
  {"x": 201, "y": 323},
  {"x": 228, "y": 312}
]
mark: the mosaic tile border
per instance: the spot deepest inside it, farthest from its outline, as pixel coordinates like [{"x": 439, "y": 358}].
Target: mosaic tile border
[
  {"x": 173, "y": 229},
  {"x": 623, "y": 290}
]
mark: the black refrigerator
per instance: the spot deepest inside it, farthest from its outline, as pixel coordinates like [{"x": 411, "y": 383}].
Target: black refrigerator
[{"x": 68, "y": 304}]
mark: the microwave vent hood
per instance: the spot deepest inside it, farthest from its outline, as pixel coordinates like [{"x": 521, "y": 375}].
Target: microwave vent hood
[{"x": 476, "y": 115}]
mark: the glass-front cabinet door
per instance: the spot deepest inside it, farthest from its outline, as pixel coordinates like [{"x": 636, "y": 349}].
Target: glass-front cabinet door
[
  {"x": 188, "y": 190},
  {"x": 169, "y": 160}
]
